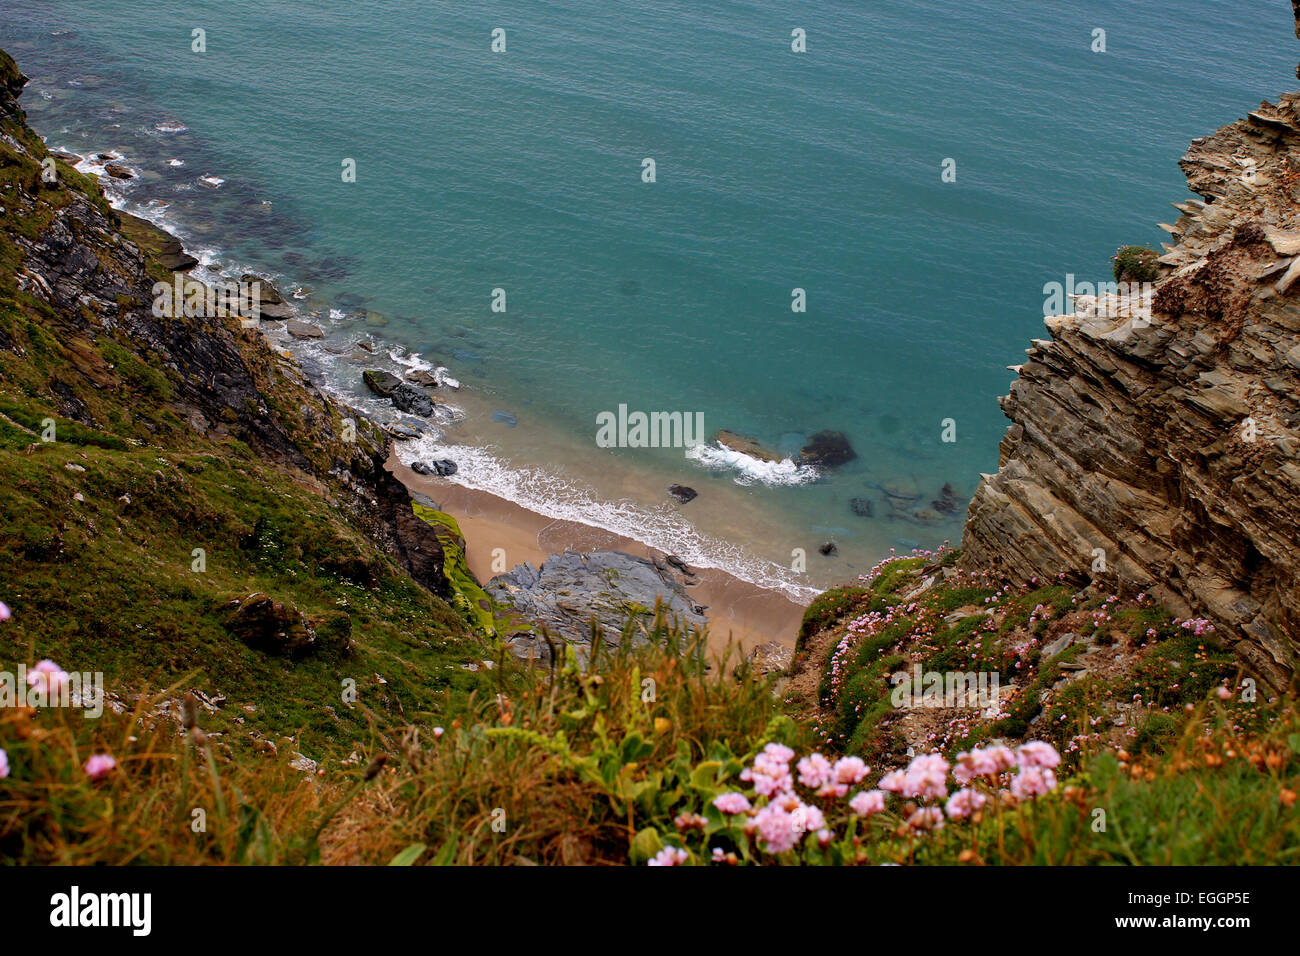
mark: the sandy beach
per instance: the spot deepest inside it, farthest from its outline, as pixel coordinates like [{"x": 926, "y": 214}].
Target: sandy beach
[{"x": 738, "y": 612}]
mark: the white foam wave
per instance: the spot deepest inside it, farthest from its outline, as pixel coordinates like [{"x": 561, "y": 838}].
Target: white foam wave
[
  {"x": 564, "y": 499},
  {"x": 749, "y": 469}
]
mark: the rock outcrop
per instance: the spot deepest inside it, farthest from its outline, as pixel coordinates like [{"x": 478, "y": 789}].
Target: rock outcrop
[{"x": 1155, "y": 438}]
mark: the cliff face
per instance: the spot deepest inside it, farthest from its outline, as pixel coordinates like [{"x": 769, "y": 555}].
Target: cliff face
[{"x": 1164, "y": 441}]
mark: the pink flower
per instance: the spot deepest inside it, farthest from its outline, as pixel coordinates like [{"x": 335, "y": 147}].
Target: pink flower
[
  {"x": 893, "y": 782},
  {"x": 777, "y": 831},
  {"x": 927, "y": 776},
  {"x": 732, "y": 803},
  {"x": 99, "y": 766},
  {"x": 868, "y": 802},
  {"x": 850, "y": 770},
  {"x": 771, "y": 771},
  {"x": 438, "y": 732},
  {"x": 47, "y": 677},
  {"x": 690, "y": 821},
  {"x": 669, "y": 856},
  {"x": 5, "y": 613},
  {"x": 1032, "y": 782},
  {"x": 965, "y": 802},
  {"x": 1038, "y": 753},
  {"x": 4, "y": 765},
  {"x": 814, "y": 771}
]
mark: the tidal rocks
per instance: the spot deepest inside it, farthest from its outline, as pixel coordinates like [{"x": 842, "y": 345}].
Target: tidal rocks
[
  {"x": 420, "y": 468},
  {"x": 828, "y": 449},
  {"x": 275, "y": 627},
  {"x": 862, "y": 507},
  {"x": 271, "y": 304},
  {"x": 505, "y": 418},
  {"x": 828, "y": 549},
  {"x": 119, "y": 171},
  {"x": 683, "y": 493},
  {"x": 611, "y": 588},
  {"x": 745, "y": 445},
  {"x": 406, "y": 397},
  {"x": 422, "y": 378},
  {"x": 304, "y": 330},
  {"x": 445, "y": 467}
]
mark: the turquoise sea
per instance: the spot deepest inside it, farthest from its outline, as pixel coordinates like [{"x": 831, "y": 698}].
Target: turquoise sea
[{"x": 522, "y": 170}]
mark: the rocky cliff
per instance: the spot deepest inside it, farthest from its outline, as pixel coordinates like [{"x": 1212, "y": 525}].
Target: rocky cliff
[{"x": 1154, "y": 440}]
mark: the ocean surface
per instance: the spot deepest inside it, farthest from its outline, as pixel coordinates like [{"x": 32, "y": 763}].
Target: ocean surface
[{"x": 522, "y": 171}]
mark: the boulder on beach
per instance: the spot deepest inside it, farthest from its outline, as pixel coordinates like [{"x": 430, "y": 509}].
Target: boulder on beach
[
  {"x": 118, "y": 171},
  {"x": 682, "y": 493},
  {"x": 420, "y": 468},
  {"x": 383, "y": 384},
  {"x": 570, "y": 591},
  {"x": 829, "y": 449},
  {"x": 445, "y": 467},
  {"x": 745, "y": 445}
]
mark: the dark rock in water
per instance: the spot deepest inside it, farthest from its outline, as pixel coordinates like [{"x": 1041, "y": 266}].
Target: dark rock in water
[
  {"x": 829, "y": 449},
  {"x": 505, "y": 418},
  {"x": 383, "y": 384},
  {"x": 828, "y": 548},
  {"x": 118, "y": 171},
  {"x": 401, "y": 432},
  {"x": 745, "y": 445},
  {"x": 611, "y": 588},
  {"x": 682, "y": 493},
  {"x": 366, "y": 347},
  {"x": 947, "y": 502},
  {"x": 269, "y": 625},
  {"x": 422, "y": 378},
  {"x": 862, "y": 507},
  {"x": 275, "y": 311},
  {"x": 266, "y": 292},
  {"x": 405, "y": 397},
  {"x": 445, "y": 467},
  {"x": 349, "y": 300},
  {"x": 420, "y": 468}
]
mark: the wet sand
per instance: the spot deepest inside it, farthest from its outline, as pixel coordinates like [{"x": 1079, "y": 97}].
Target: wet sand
[{"x": 738, "y": 612}]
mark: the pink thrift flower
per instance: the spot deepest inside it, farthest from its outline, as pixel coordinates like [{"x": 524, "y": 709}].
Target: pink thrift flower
[
  {"x": 1032, "y": 782},
  {"x": 4, "y": 765},
  {"x": 965, "y": 802},
  {"x": 669, "y": 856},
  {"x": 5, "y": 613},
  {"x": 893, "y": 782},
  {"x": 99, "y": 766},
  {"x": 868, "y": 802},
  {"x": 927, "y": 776},
  {"x": 777, "y": 830},
  {"x": 1038, "y": 753},
  {"x": 850, "y": 770},
  {"x": 732, "y": 803},
  {"x": 814, "y": 771}
]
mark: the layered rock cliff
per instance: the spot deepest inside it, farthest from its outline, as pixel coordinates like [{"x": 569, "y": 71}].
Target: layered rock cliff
[{"x": 1154, "y": 442}]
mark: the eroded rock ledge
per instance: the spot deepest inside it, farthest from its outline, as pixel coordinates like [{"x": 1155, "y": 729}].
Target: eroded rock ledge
[{"x": 1169, "y": 447}]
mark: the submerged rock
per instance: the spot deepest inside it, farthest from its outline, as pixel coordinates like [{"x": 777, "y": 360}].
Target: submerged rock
[
  {"x": 304, "y": 330},
  {"x": 862, "y": 507},
  {"x": 828, "y": 548},
  {"x": 828, "y": 449}
]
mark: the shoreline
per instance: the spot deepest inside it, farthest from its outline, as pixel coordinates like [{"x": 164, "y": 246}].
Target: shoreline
[{"x": 740, "y": 613}]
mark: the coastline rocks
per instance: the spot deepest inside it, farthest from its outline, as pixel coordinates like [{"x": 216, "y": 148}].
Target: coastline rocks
[
  {"x": 420, "y": 468},
  {"x": 947, "y": 502},
  {"x": 304, "y": 330},
  {"x": 745, "y": 445},
  {"x": 118, "y": 171},
  {"x": 271, "y": 304},
  {"x": 422, "y": 378},
  {"x": 862, "y": 507},
  {"x": 828, "y": 549},
  {"x": 827, "y": 448},
  {"x": 405, "y": 397},
  {"x": 683, "y": 493},
  {"x": 445, "y": 467},
  {"x": 611, "y": 588}
]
